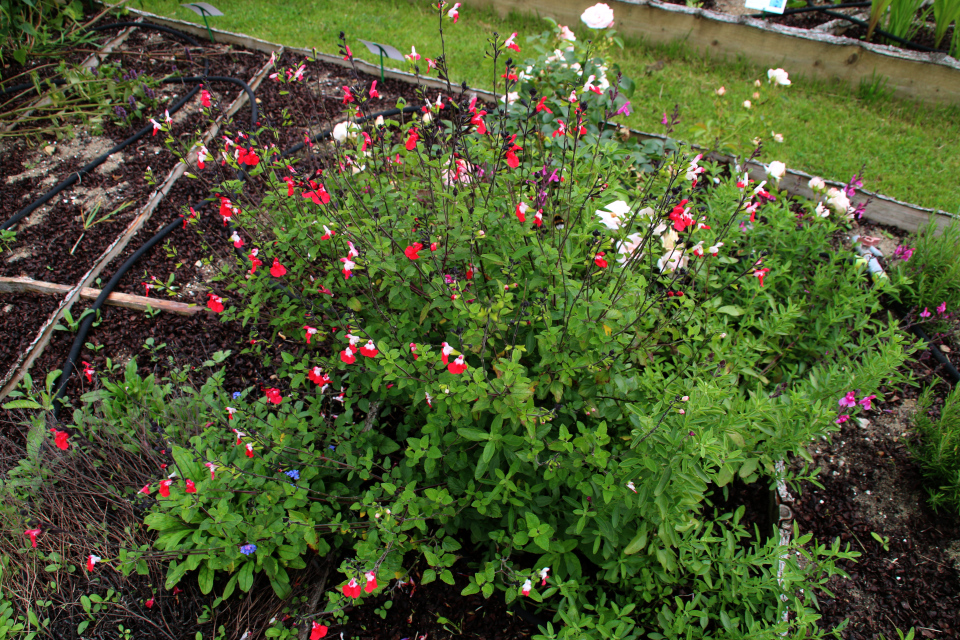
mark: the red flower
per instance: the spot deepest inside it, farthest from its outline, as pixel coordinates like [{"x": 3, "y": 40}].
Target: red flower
[
  {"x": 319, "y": 195},
  {"x": 458, "y": 366},
  {"x": 205, "y": 97},
  {"x": 215, "y": 303},
  {"x": 367, "y": 142},
  {"x": 347, "y": 356},
  {"x": 88, "y": 372},
  {"x": 254, "y": 261},
  {"x": 191, "y": 487},
  {"x": 369, "y": 350},
  {"x": 249, "y": 450},
  {"x": 599, "y": 260},
  {"x": 413, "y": 350},
  {"x": 512, "y": 160},
  {"x": 247, "y": 157},
  {"x": 146, "y": 490},
  {"x": 277, "y": 270},
  {"x": 561, "y": 130},
  {"x": 227, "y": 209},
  {"x": 445, "y": 352},
  {"x": 371, "y": 581},
  {"x": 273, "y": 395},
  {"x": 373, "y": 90},
  {"x": 60, "y": 438},
  {"x": 165, "y": 488},
  {"x": 412, "y": 140},
  {"x": 411, "y": 251},
  {"x": 92, "y": 560},
  {"x": 760, "y": 273},
  {"x": 352, "y": 589},
  {"x": 510, "y": 44},
  {"x": 323, "y": 289},
  {"x": 290, "y": 184},
  {"x": 317, "y": 376},
  {"x": 33, "y": 533},
  {"x": 347, "y": 95},
  {"x": 318, "y": 631},
  {"x": 310, "y": 331},
  {"x": 542, "y": 107},
  {"x": 149, "y": 603},
  {"x": 522, "y": 211},
  {"x": 433, "y": 246},
  {"x": 477, "y": 120},
  {"x": 349, "y": 53}
]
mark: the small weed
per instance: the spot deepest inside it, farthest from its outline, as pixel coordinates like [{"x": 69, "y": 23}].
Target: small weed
[{"x": 874, "y": 89}]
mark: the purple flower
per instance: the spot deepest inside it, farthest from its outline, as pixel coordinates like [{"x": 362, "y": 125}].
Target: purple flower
[
  {"x": 664, "y": 121},
  {"x": 624, "y": 110},
  {"x": 849, "y": 400},
  {"x": 236, "y": 394},
  {"x": 248, "y": 549},
  {"x": 132, "y": 101},
  {"x": 120, "y": 111}
]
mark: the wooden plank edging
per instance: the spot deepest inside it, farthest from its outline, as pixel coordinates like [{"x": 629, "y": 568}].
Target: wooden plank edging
[{"x": 125, "y": 300}]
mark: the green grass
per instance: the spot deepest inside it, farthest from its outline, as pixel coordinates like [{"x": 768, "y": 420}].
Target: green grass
[{"x": 909, "y": 148}]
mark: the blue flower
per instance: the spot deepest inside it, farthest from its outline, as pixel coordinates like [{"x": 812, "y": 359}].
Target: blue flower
[
  {"x": 248, "y": 549},
  {"x": 293, "y": 473},
  {"x": 236, "y": 394},
  {"x": 333, "y": 448}
]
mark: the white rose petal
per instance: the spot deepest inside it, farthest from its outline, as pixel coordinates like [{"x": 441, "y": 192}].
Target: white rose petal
[
  {"x": 599, "y": 16},
  {"x": 778, "y": 76}
]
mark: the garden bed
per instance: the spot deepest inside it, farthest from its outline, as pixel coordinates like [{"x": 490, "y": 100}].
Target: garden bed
[{"x": 437, "y": 609}]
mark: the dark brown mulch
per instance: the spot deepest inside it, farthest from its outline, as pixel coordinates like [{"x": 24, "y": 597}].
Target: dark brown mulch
[{"x": 21, "y": 315}]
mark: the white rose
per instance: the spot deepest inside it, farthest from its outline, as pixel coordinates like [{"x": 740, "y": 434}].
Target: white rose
[
  {"x": 614, "y": 215},
  {"x": 599, "y": 16},
  {"x": 817, "y": 185},
  {"x": 511, "y": 97},
  {"x": 747, "y": 104},
  {"x": 821, "y": 210},
  {"x": 343, "y": 130},
  {"x": 778, "y": 76},
  {"x": 837, "y": 200},
  {"x": 776, "y": 170}
]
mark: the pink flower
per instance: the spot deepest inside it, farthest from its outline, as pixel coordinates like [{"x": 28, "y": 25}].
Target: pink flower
[
  {"x": 510, "y": 44},
  {"x": 373, "y": 90},
  {"x": 146, "y": 490},
  {"x": 347, "y": 95},
  {"x": 866, "y": 402},
  {"x": 632, "y": 486},
  {"x": 33, "y": 533},
  {"x": 92, "y": 560},
  {"x": 925, "y": 313},
  {"x": 215, "y": 303},
  {"x": 205, "y": 97},
  {"x": 371, "y": 581},
  {"x": 842, "y": 419},
  {"x": 849, "y": 400},
  {"x": 273, "y": 396},
  {"x": 369, "y": 350},
  {"x": 942, "y": 308},
  {"x": 458, "y": 366},
  {"x": 149, "y": 603},
  {"x": 352, "y": 589}
]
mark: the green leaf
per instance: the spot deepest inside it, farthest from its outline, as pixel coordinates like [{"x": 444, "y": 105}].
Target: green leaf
[
  {"x": 174, "y": 573},
  {"x": 428, "y": 576},
  {"x": 205, "y": 579},
  {"x": 22, "y": 404},
  {"x": 749, "y": 467},
  {"x": 471, "y": 588},
  {"x": 447, "y": 576},
  {"x": 245, "y": 576},
  {"x": 730, "y": 310},
  {"x": 473, "y": 434},
  {"x": 663, "y": 481},
  {"x": 639, "y": 541}
]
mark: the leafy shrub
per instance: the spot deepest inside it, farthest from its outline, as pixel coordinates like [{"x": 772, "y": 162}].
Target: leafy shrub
[
  {"x": 930, "y": 276},
  {"x": 937, "y": 448},
  {"x": 499, "y": 335},
  {"x": 27, "y": 25}
]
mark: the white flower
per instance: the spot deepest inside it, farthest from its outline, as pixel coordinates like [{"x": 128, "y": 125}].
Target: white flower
[
  {"x": 628, "y": 247},
  {"x": 378, "y": 122},
  {"x": 757, "y": 83},
  {"x": 344, "y": 130},
  {"x": 566, "y": 34},
  {"x": 821, "y": 210},
  {"x": 777, "y": 137},
  {"x": 721, "y": 91},
  {"x": 837, "y": 200},
  {"x": 673, "y": 260},
  {"x": 511, "y": 97},
  {"x": 778, "y": 76},
  {"x": 776, "y": 170},
  {"x": 747, "y": 104},
  {"x": 599, "y": 16},
  {"x": 817, "y": 185},
  {"x": 614, "y": 215}
]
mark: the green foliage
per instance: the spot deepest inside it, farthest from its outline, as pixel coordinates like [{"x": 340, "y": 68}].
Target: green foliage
[
  {"x": 29, "y": 25},
  {"x": 569, "y": 392},
  {"x": 932, "y": 274},
  {"x": 937, "y": 448},
  {"x": 946, "y": 12},
  {"x": 902, "y": 19}
]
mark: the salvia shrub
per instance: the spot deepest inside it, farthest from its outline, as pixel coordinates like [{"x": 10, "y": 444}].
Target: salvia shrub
[{"x": 509, "y": 333}]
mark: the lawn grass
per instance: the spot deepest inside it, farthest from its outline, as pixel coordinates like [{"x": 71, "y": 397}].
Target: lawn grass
[{"x": 910, "y": 149}]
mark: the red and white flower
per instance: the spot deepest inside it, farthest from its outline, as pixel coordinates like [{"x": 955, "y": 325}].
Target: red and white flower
[
  {"x": 92, "y": 560},
  {"x": 249, "y": 449},
  {"x": 347, "y": 356},
  {"x": 165, "y": 488},
  {"x": 212, "y": 466},
  {"x": 369, "y": 350},
  {"x": 544, "y": 574},
  {"x": 458, "y": 366},
  {"x": 599, "y": 260},
  {"x": 191, "y": 486},
  {"x": 236, "y": 239},
  {"x": 445, "y": 352},
  {"x": 348, "y": 266},
  {"x": 230, "y": 411},
  {"x": 453, "y": 13},
  {"x": 371, "y": 581},
  {"x": 318, "y": 631},
  {"x": 759, "y": 273},
  {"x": 527, "y": 586},
  {"x": 33, "y": 533},
  {"x": 310, "y": 332},
  {"x": 215, "y": 303},
  {"x": 352, "y": 589},
  {"x": 522, "y": 211},
  {"x": 510, "y": 44}
]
